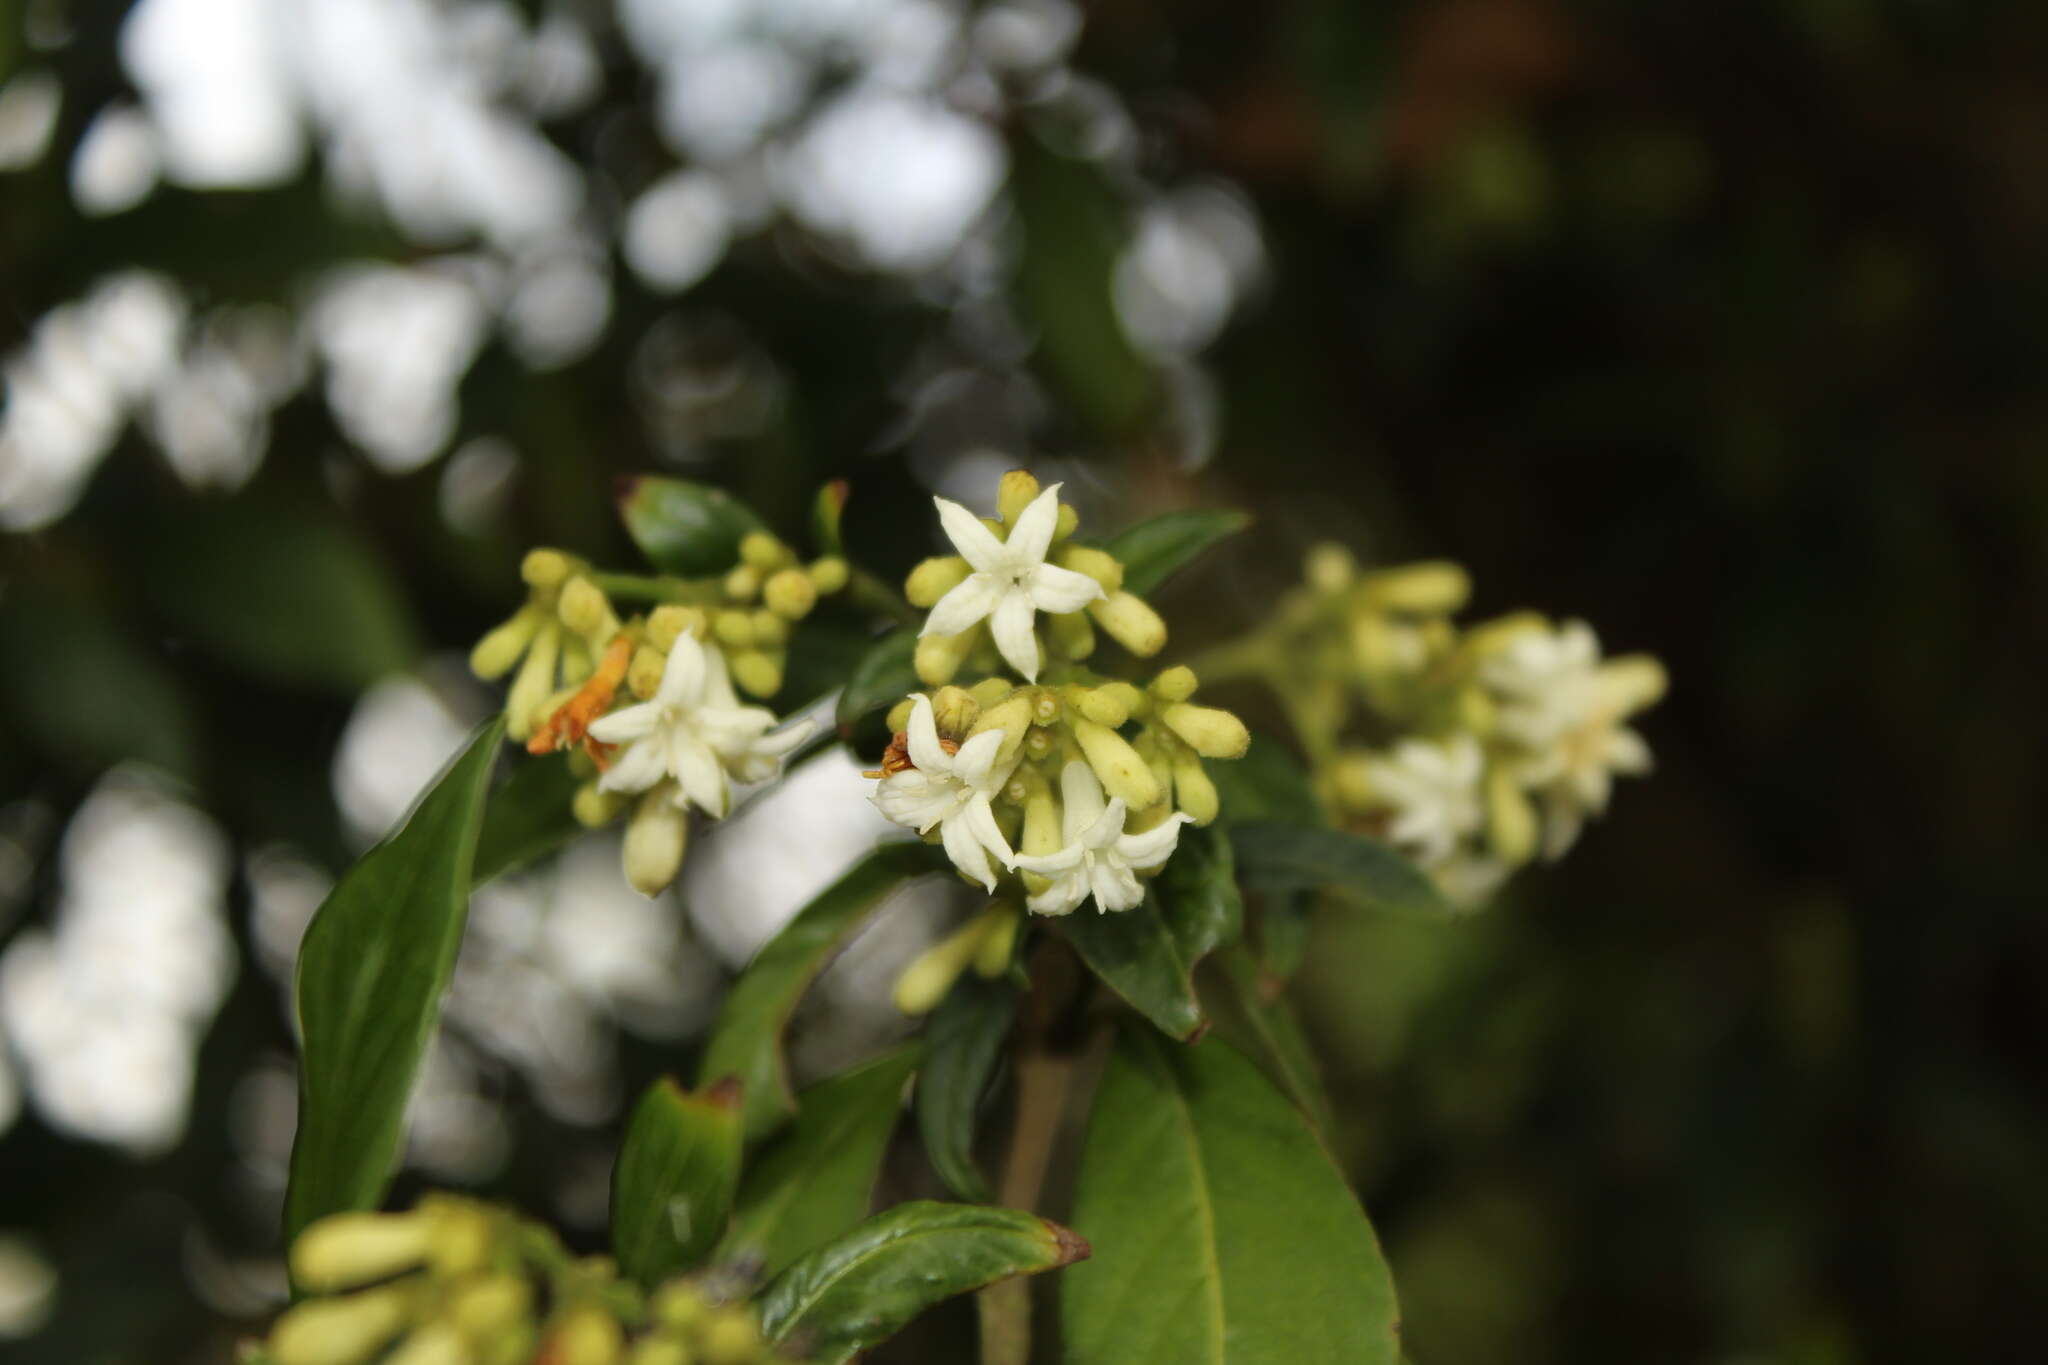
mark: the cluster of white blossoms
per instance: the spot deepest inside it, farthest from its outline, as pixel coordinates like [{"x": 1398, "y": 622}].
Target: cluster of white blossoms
[{"x": 1030, "y": 779}]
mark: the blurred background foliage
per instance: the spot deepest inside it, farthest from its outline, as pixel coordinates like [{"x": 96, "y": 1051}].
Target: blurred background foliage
[{"x": 1720, "y": 326}]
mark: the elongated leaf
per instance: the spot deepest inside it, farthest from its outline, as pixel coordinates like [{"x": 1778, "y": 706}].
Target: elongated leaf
[
  {"x": 682, "y": 527},
  {"x": 1223, "y": 1230},
  {"x": 1134, "y": 951},
  {"x": 1260, "y": 1022},
  {"x": 862, "y": 1288},
  {"x": 1266, "y": 784},
  {"x": 818, "y": 1179},
  {"x": 1276, "y": 856},
  {"x": 963, "y": 1043},
  {"x": 1154, "y": 549},
  {"x": 527, "y": 817},
  {"x": 371, "y": 971},
  {"x": 1198, "y": 896},
  {"x": 882, "y": 678},
  {"x": 747, "y": 1041},
  {"x": 673, "y": 1182}
]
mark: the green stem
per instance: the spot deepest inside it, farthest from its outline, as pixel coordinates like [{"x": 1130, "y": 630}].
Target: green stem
[{"x": 654, "y": 588}]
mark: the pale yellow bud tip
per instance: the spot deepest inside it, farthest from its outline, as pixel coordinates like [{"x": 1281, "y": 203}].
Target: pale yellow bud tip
[
  {"x": 1431, "y": 588},
  {"x": 1193, "y": 791},
  {"x": 1210, "y": 732},
  {"x": 1510, "y": 818},
  {"x": 1097, "y": 564},
  {"x": 829, "y": 575},
  {"x": 734, "y": 628},
  {"x": 790, "y": 593},
  {"x": 1015, "y": 493},
  {"x": 344, "y": 1250},
  {"x": 898, "y": 719},
  {"x": 742, "y": 583},
  {"x": 1329, "y": 568},
  {"x": 954, "y": 711},
  {"x": 762, "y": 551},
  {"x": 593, "y": 806},
  {"x": 586, "y": 610},
  {"x": 731, "y": 1337},
  {"x": 435, "y": 1344},
  {"x": 500, "y": 648},
  {"x": 656, "y": 838},
  {"x": 545, "y": 569},
  {"x": 343, "y": 1331},
  {"x": 758, "y": 672},
  {"x": 1175, "y": 684},
  {"x": 1130, "y": 622},
  {"x": 939, "y": 657},
  {"x": 933, "y": 579},
  {"x": 1117, "y": 765},
  {"x": 587, "y": 1336}
]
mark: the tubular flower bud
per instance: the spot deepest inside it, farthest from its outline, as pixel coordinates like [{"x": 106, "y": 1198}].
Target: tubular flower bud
[
  {"x": 1491, "y": 637},
  {"x": 545, "y": 570},
  {"x": 659, "y": 1351},
  {"x": 1510, "y": 818},
  {"x": 933, "y": 579},
  {"x": 460, "y": 1237},
  {"x": 992, "y": 959},
  {"x": 762, "y": 551},
  {"x": 656, "y": 838},
  {"x": 731, "y": 1337},
  {"x": 586, "y": 1336},
  {"x": 1432, "y": 588},
  {"x": 1071, "y": 636},
  {"x": 1131, "y": 623},
  {"x": 734, "y": 629},
  {"x": 1210, "y": 732},
  {"x": 931, "y": 974},
  {"x": 344, "y": 1250},
  {"x": 758, "y": 672},
  {"x": 534, "y": 681},
  {"x": 1175, "y": 684},
  {"x": 1013, "y": 717},
  {"x": 1134, "y": 701},
  {"x": 989, "y": 691},
  {"x": 503, "y": 645},
  {"x": 742, "y": 583},
  {"x": 667, "y": 622},
  {"x": 954, "y": 711},
  {"x": 1630, "y": 683},
  {"x": 829, "y": 575},
  {"x": 1100, "y": 705},
  {"x": 594, "y": 807},
  {"x": 1193, "y": 792},
  {"x": 643, "y": 675},
  {"x": 1123, "y": 774},
  {"x": 490, "y": 1305},
  {"x": 939, "y": 657},
  {"x": 345, "y": 1331},
  {"x": 1099, "y": 565},
  {"x": 586, "y": 611},
  {"x": 790, "y": 593},
  {"x": 1069, "y": 522},
  {"x": 770, "y": 630},
  {"x": 1329, "y": 568},
  {"x": 899, "y": 716},
  {"x": 1351, "y": 780},
  {"x": 1014, "y": 494},
  {"x": 437, "y": 1343},
  {"x": 680, "y": 1306}
]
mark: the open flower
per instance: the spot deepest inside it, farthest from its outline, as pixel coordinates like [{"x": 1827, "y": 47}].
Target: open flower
[
  {"x": 1435, "y": 792},
  {"x": 1097, "y": 857},
  {"x": 951, "y": 790},
  {"x": 1010, "y": 582},
  {"x": 694, "y": 730}
]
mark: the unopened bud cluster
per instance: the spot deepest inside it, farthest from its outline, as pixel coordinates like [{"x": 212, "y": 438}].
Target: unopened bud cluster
[{"x": 456, "y": 1282}]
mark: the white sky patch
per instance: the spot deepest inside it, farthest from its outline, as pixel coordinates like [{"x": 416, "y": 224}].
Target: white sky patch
[
  {"x": 222, "y": 100},
  {"x": 560, "y": 302},
  {"x": 720, "y": 102},
  {"x": 397, "y": 341},
  {"x": 118, "y": 162},
  {"x": 1195, "y": 255},
  {"x": 678, "y": 230},
  {"x": 29, "y": 105}
]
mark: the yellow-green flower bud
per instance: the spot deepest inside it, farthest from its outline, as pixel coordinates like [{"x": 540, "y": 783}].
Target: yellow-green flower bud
[
  {"x": 954, "y": 711},
  {"x": 643, "y": 674},
  {"x": 758, "y": 672},
  {"x": 1099, "y": 704},
  {"x": 593, "y": 807},
  {"x": 1350, "y": 780},
  {"x": 489, "y": 1305},
  {"x": 760, "y": 550},
  {"x": 829, "y": 575},
  {"x": 1122, "y": 772},
  {"x": 742, "y": 583},
  {"x": 1070, "y": 521},
  {"x": 534, "y": 681},
  {"x": 1193, "y": 791},
  {"x": 1489, "y": 638},
  {"x": 656, "y": 838},
  {"x": 516, "y": 1347},
  {"x": 939, "y": 657},
  {"x": 731, "y": 1337},
  {"x": 680, "y": 1306},
  {"x": 344, "y": 1250},
  {"x": 577, "y": 664},
  {"x": 1014, "y": 494},
  {"x": 790, "y": 593},
  {"x": 460, "y": 1236},
  {"x": 1510, "y": 818},
  {"x": 665, "y": 623},
  {"x": 1175, "y": 684},
  {"x": 734, "y": 628},
  {"x": 933, "y": 579},
  {"x": 663, "y": 1350},
  {"x": 1329, "y": 568},
  {"x": 501, "y": 647},
  {"x": 1631, "y": 682},
  {"x": 1434, "y": 587},
  {"x": 585, "y": 610},
  {"x": 1130, "y": 622},
  {"x": 545, "y": 569},
  {"x": 1476, "y": 711},
  {"x": 1099, "y": 565},
  {"x": 437, "y": 1343},
  {"x": 931, "y": 974},
  {"x": 586, "y": 1336},
  {"x": 1211, "y": 732},
  {"x": 1013, "y": 716},
  {"x": 989, "y": 691},
  {"x": 898, "y": 719},
  {"x": 1070, "y": 635},
  {"x": 992, "y": 958},
  {"x": 345, "y": 1331},
  {"x": 770, "y": 629}
]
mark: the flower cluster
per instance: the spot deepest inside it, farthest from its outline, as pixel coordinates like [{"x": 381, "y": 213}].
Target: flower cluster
[
  {"x": 1032, "y": 776},
  {"x": 456, "y": 1282},
  {"x": 650, "y": 706}
]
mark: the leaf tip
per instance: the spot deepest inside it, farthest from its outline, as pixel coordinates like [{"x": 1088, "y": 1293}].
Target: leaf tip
[
  {"x": 725, "y": 1093},
  {"x": 1070, "y": 1245}
]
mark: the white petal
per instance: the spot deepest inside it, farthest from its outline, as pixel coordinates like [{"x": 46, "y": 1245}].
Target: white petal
[
  {"x": 644, "y": 763},
  {"x": 1154, "y": 846},
  {"x": 926, "y": 753},
  {"x": 972, "y": 598},
  {"x": 975, "y": 542},
  {"x": 1114, "y": 886},
  {"x": 1105, "y": 828},
  {"x": 1054, "y": 864},
  {"x": 1628, "y": 752},
  {"x": 1060, "y": 590},
  {"x": 716, "y": 689},
  {"x": 682, "y": 677},
  {"x": 627, "y": 723},
  {"x": 1080, "y": 800},
  {"x": 966, "y": 851},
  {"x": 914, "y": 803},
  {"x": 700, "y": 773},
  {"x": 1011, "y": 625},
  {"x": 981, "y": 820},
  {"x": 1561, "y": 825},
  {"x": 1031, "y": 536},
  {"x": 976, "y": 757},
  {"x": 1061, "y": 897}
]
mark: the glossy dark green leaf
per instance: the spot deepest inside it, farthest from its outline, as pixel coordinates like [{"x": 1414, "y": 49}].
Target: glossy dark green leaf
[
  {"x": 746, "y": 1043},
  {"x": 673, "y": 1181},
  {"x": 372, "y": 968},
  {"x": 862, "y": 1288},
  {"x": 1273, "y": 855},
  {"x": 1198, "y": 896},
  {"x": 818, "y": 1179},
  {"x": 1135, "y": 953},
  {"x": 882, "y": 678},
  {"x": 685, "y": 528},
  {"x": 963, "y": 1044},
  {"x": 1267, "y": 783},
  {"x": 1256, "y": 1018},
  {"x": 1154, "y": 549},
  {"x": 527, "y": 816},
  {"x": 1223, "y": 1231}
]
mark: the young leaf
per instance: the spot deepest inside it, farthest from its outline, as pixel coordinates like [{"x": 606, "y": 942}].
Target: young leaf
[
  {"x": 882, "y": 678},
  {"x": 817, "y": 1180},
  {"x": 682, "y": 527},
  {"x": 527, "y": 817},
  {"x": 1276, "y": 856},
  {"x": 371, "y": 971},
  {"x": 1134, "y": 951},
  {"x": 673, "y": 1181},
  {"x": 1198, "y": 896},
  {"x": 826, "y": 511},
  {"x": 862, "y": 1288},
  {"x": 1262, "y": 1024},
  {"x": 746, "y": 1043},
  {"x": 1223, "y": 1230},
  {"x": 963, "y": 1043},
  {"x": 1154, "y": 549}
]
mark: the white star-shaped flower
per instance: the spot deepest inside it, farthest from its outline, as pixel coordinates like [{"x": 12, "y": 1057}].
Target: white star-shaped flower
[
  {"x": 1435, "y": 791},
  {"x": 695, "y": 730},
  {"x": 1011, "y": 581},
  {"x": 1098, "y": 858},
  {"x": 952, "y": 791}
]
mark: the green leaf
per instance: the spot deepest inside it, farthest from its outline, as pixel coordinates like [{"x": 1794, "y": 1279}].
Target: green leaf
[
  {"x": 527, "y": 816},
  {"x": 685, "y": 528},
  {"x": 673, "y": 1181},
  {"x": 1266, "y": 784},
  {"x": 746, "y": 1043},
  {"x": 882, "y": 678},
  {"x": 1276, "y": 856},
  {"x": 1135, "y": 952},
  {"x": 371, "y": 972},
  {"x": 862, "y": 1288},
  {"x": 1198, "y": 896},
  {"x": 1223, "y": 1230},
  {"x": 963, "y": 1044},
  {"x": 826, "y": 512},
  {"x": 1154, "y": 549},
  {"x": 1255, "y": 1018},
  {"x": 818, "y": 1179}
]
